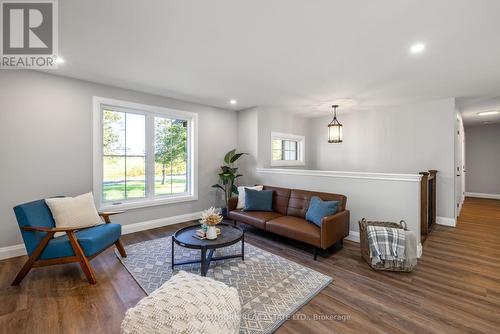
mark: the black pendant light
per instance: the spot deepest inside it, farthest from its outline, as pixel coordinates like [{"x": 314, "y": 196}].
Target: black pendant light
[{"x": 335, "y": 128}]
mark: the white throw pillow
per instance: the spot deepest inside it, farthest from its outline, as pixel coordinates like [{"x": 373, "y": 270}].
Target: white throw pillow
[
  {"x": 241, "y": 195},
  {"x": 73, "y": 211}
]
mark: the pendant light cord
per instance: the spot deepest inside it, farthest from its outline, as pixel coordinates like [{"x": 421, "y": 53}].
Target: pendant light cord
[{"x": 334, "y": 112}]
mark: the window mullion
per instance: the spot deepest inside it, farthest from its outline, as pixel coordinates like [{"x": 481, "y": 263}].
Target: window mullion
[
  {"x": 282, "y": 150},
  {"x": 189, "y": 157},
  {"x": 150, "y": 156},
  {"x": 298, "y": 149},
  {"x": 125, "y": 192}
]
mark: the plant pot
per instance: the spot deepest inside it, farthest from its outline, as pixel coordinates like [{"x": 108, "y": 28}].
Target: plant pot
[
  {"x": 211, "y": 233},
  {"x": 223, "y": 212}
]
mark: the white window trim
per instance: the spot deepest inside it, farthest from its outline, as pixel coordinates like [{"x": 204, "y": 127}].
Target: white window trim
[
  {"x": 192, "y": 119},
  {"x": 301, "y": 145}
]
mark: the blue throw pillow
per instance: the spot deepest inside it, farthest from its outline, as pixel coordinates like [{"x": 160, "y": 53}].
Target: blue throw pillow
[
  {"x": 319, "y": 209},
  {"x": 258, "y": 200}
]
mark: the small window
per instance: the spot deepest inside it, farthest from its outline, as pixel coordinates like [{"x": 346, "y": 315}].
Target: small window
[{"x": 287, "y": 149}]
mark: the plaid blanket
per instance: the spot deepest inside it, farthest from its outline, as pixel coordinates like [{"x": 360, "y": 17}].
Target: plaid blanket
[{"x": 386, "y": 244}]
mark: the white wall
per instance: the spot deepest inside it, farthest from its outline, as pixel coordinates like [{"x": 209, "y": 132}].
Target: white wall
[
  {"x": 46, "y": 144},
  {"x": 482, "y": 147},
  {"x": 403, "y": 139},
  {"x": 254, "y": 137},
  {"x": 248, "y": 127},
  {"x": 278, "y": 120},
  {"x": 385, "y": 197}
]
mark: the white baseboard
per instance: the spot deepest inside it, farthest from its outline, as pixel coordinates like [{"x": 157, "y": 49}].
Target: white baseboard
[
  {"x": 150, "y": 224},
  {"x": 446, "y": 221},
  {"x": 19, "y": 249},
  {"x": 354, "y": 236},
  {"x": 482, "y": 195},
  {"x": 12, "y": 251}
]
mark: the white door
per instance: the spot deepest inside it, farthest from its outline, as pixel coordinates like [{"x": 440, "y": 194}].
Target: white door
[{"x": 459, "y": 166}]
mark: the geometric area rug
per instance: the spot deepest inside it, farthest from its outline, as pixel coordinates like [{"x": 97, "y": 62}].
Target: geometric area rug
[{"x": 271, "y": 288}]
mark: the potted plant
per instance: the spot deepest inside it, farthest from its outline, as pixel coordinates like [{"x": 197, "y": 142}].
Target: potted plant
[{"x": 228, "y": 176}]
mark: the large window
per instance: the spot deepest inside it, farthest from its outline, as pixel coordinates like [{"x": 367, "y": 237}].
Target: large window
[
  {"x": 143, "y": 155},
  {"x": 287, "y": 149}
]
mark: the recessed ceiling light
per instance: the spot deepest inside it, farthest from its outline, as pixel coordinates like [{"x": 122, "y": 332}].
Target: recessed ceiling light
[
  {"x": 417, "y": 48},
  {"x": 233, "y": 102},
  {"x": 488, "y": 113},
  {"x": 59, "y": 60}
]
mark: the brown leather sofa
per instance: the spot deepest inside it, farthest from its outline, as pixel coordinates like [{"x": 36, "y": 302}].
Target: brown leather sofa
[{"x": 288, "y": 217}]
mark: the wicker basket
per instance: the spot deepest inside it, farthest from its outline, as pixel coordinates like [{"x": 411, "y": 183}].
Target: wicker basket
[{"x": 365, "y": 249}]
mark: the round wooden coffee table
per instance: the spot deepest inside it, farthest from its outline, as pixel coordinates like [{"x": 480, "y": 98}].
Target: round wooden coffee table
[{"x": 230, "y": 235}]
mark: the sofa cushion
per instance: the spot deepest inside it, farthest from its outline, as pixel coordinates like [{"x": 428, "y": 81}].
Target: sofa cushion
[
  {"x": 319, "y": 209},
  {"x": 92, "y": 240},
  {"x": 254, "y": 218},
  {"x": 241, "y": 195},
  {"x": 295, "y": 228},
  {"x": 280, "y": 199},
  {"x": 299, "y": 201},
  {"x": 256, "y": 200}
]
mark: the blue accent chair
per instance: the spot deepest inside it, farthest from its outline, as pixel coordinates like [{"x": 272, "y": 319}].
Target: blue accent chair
[{"x": 80, "y": 244}]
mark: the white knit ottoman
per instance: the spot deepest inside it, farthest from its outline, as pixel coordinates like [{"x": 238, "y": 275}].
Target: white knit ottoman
[{"x": 187, "y": 303}]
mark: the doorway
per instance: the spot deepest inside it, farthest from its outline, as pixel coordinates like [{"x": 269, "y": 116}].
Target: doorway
[{"x": 477, "y": 148}]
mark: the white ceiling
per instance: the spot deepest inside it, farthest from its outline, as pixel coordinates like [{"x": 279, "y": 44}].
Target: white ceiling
[
  {"x": 296, "y": 54},
  {"x": 471, "y": 106}
]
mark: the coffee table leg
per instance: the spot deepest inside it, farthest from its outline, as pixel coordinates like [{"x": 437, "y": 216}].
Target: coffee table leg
[
  {"x": 243, "y": 248},
  {"x": 203, "y": 270},
  {"x": 172, "y": 253}
]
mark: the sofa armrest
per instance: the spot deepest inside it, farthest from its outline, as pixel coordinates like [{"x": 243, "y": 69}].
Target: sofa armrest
[
  {"x": 232, "y": 204},
  {"x": 334, "y": 228}
]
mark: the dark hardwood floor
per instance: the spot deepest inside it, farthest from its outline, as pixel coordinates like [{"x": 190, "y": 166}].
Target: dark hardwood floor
[{"x": 454, "y": 289}]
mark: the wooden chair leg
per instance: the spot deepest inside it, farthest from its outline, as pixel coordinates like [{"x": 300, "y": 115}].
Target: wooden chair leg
[
  {"x": 36, "y": 254},
  {"x": 315, "y": 253},
  {"x": 120, "y": 248},
  {"x": 84, "y": 262},
  {"x": 118, "y": 243}
]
